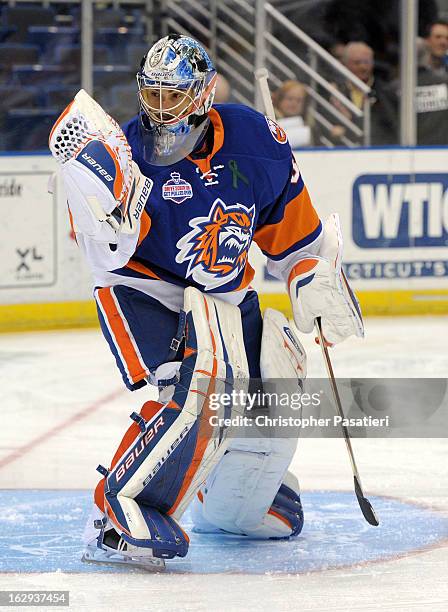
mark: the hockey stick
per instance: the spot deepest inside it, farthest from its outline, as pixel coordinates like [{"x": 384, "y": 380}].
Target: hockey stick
[
  {"x": 364, "y": 504},
  {"x": 262, "y": 79},
  {"x": 261, "y": 76}
]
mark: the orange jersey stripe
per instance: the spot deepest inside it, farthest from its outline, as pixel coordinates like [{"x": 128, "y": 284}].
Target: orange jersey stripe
[
  {"x": 135, "y": 367},
  {"x": 248, "y": 277},
  {"x": 218, "y": 141},
  {"x": 138, "y": 267},
  {"x": 300, "y": 220}
]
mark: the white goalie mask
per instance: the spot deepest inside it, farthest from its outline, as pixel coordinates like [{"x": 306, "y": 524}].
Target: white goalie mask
[{"x": 176, "y": 83}]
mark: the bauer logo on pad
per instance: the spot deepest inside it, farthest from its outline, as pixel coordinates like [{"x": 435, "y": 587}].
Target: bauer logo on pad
[{"x": 97, "y": 156}]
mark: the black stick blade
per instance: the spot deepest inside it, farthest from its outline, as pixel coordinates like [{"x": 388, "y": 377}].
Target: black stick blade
[{"x": 365, "y": 505}]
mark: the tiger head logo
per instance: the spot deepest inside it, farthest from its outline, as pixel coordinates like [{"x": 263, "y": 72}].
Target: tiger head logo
[{"x": 217, "y": 247}]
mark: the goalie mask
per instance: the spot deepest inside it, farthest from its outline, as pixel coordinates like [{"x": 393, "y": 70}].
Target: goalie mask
[{"x": 176, "y": 83}]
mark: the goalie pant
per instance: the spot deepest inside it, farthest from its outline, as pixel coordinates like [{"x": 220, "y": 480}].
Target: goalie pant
[{"x": 140, "y": 332}]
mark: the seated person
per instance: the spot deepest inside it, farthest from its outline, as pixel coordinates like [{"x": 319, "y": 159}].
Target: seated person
[{"x": 290, "y": 102}]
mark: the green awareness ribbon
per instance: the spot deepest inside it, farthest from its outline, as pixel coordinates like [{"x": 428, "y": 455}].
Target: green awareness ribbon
[{"x": 236, "y": 174}]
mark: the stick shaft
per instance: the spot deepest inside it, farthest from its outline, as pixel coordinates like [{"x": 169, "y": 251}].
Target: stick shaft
[
  {"x": 336, "y": 396},
  {"x": 261, "y": 76}
]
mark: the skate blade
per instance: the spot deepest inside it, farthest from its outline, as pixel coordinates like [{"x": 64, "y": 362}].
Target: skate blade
[{"x": 149, "y": 565}]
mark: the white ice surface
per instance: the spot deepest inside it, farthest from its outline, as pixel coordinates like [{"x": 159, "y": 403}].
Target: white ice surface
[{"x": 64, "y": 408}]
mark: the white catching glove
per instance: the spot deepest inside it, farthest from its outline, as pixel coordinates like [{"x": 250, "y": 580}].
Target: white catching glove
[
  {"x": 318, "y": 288},
  {"x": 105, "y": 189}
]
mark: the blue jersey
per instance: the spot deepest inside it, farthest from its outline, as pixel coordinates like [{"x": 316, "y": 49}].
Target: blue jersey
[{"x": 204, "y": 211}]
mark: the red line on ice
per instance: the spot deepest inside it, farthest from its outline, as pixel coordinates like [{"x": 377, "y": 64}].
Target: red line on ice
[{"x": 50, "y": 433}]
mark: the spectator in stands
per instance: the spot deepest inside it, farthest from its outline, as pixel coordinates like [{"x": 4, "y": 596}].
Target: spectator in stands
[
  {"x": 431, "y": 100},
  {"x": 222, "y": 93},
  {"x": 437, "y": 44},
  {"x": 374, "y": 21},
  {"x": 290, "y": 99},
  {"x": 337, "y": 49},
  {"x": 290, "y": 102},
  {"x": 358, "y": 57}
]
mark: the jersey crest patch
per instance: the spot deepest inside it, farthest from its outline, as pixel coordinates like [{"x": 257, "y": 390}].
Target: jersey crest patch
[
  {"x": 177, "y": 189},
  {"x": 277, "y": 132},
  {"x": 217, "y": 247}
]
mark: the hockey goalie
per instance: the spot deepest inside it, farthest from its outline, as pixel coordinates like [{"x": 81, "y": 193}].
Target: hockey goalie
[{"x": 165, "y": 210}]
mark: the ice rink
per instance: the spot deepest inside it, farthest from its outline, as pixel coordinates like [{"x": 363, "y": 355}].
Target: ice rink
[{"x": 64, "y": 409}]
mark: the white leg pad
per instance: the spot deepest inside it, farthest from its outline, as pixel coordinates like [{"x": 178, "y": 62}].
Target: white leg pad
[{"x": 239, "y": 492}]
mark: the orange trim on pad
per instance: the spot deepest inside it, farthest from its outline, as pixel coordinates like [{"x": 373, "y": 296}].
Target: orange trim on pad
[
  {"x": 148, "y": 411},
  {"x": 280, "y": 517},
  {"x": 301, "y": 267},
  {"x": 59, "y": 119},
  {"x": 138, "y": 267},
  {"x": 119, "y": 178},
  {"x": 205, "y": 428}
]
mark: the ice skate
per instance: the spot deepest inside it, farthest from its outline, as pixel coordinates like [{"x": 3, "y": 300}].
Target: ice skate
[
  {"x": 115, "y": 551},
  {"x": 103, "y": 545}
]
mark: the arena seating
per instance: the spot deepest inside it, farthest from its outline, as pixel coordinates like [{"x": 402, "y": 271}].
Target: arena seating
[
  {"x": 40, "y": 65},
  {"x": 22, "y": 17},
  {"x": 28, "y": 128}
]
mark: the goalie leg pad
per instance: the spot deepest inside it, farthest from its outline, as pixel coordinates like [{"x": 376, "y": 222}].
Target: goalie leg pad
[
  {"x": 242, "y": 494},
  {"x": 166, "y": 459},
  {"x": 282, "y": 520}
]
